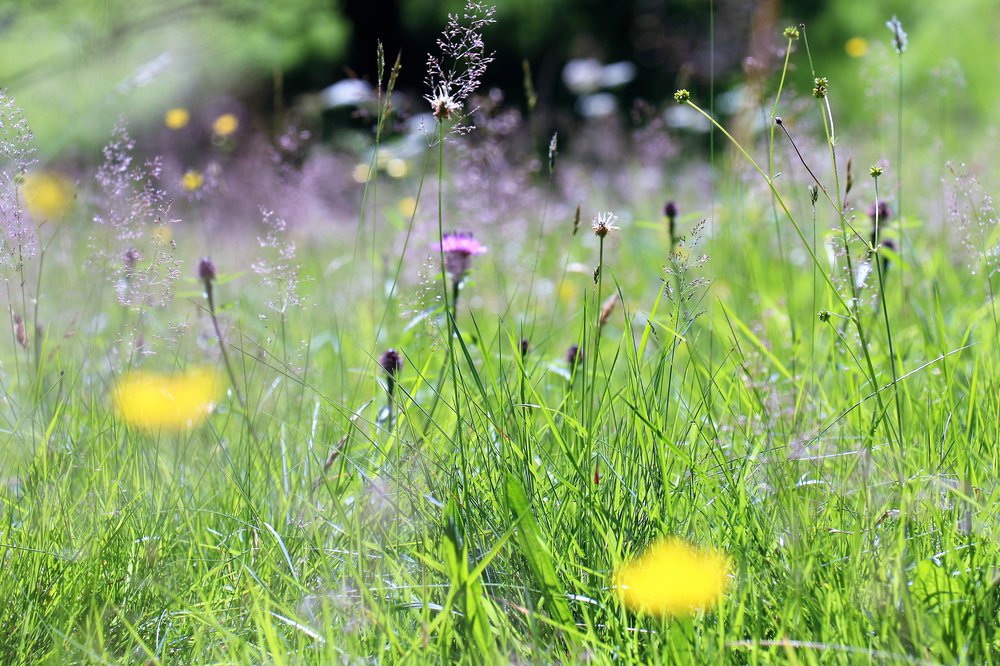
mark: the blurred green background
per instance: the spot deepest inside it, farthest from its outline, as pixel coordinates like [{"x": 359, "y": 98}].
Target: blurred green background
[{"x": 75, "y": 66}]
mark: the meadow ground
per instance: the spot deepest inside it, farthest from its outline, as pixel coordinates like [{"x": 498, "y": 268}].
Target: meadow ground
[{"x": 368, "y": 439}]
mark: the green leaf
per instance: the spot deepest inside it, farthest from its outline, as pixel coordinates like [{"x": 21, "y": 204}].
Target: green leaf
[{"x": 537, "y": 553}]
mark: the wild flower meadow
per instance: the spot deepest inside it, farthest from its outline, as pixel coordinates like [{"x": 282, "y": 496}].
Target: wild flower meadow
[{"x": 473, "y": 394}]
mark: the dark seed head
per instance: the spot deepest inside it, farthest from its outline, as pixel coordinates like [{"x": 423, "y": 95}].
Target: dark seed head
[
  {"x": 881, "y": 209},
  {"x": 206, "y": 270},
  {"x": 130, "y": 258},
  {"x": 391, "y": 361},
  {"x": 574, "y": 355}
]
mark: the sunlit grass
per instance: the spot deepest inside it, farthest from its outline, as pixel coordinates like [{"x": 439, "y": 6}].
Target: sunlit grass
[{"x": 453, "y": 455}]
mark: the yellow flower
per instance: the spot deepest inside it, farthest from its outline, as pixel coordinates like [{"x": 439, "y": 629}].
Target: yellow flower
[
  {"x": 407, "y": 206},
  {"x": 397, "y": 168},
  {"x": 673, "y": 578},
  {"x": 361, "y": 173},
  {"x": 176, "y": 118},
  {"x": 192, "y": 180},
  {"x": 153, "y": 401},
  {"x": 225, "y": 124},
  {"x": 856, "y": 47},
  {"x": 48, "y": 195}
]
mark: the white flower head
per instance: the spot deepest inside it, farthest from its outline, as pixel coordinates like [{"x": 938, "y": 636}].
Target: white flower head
[
  {"x": 443, "y": 104},
  {"x": 604, "y": 224}
]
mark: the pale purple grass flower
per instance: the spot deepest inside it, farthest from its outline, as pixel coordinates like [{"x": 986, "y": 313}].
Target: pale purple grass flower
[
  {"x": 137, "y": 212},
  {"x": 455, "y": 73},
  {"x": 17, "y": 154},
  {"x": 459, "y": 247}
]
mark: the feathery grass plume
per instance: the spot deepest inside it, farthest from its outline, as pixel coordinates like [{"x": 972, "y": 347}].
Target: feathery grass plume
[
  {"x": 672, "y": 578},
  {"x": 681, "y": 285},
  {"x": 899, "y": 38},
  {"x": 16, "y": 156},
  {"x": 278, "y": 268},
  {"x": 154, "y": 402},
  {"x": 134, "y": 211},
  {"x": 455, "y": 74}
]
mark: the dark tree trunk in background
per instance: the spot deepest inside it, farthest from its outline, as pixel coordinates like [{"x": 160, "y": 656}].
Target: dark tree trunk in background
[{"x": 375, "y": 21}]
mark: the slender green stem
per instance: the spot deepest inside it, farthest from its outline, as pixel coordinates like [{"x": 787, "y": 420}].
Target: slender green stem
[
  {"x": 774, "y": 210},
  {"x": 778, "y": 198},
  {"x": 877, "y": 261},
  {"x": 452, "y": 331}
]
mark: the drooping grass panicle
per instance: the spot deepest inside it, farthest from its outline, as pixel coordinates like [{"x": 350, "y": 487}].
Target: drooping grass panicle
[
  {"x": 17, "y": 155},
  {"x": 899, "y": 38},
  {"x": 455, "y": 73},
  {"x": 277, "y": 267},
  {"x": 134, "y": 215}
]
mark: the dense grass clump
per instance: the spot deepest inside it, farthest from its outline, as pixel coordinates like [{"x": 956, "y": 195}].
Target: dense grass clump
[{"x": 759, "y": 427}]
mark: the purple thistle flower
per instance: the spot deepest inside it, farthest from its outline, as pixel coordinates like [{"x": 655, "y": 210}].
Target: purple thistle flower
[{"x": 459, "y": 247}]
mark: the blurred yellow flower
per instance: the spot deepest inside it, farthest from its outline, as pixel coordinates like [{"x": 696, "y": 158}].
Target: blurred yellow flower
[
  {"x": 48, "y": 195},
  {"x": 856, "y": 47},
  {"x": 225, "y": 124},
  {"x": 153, "y": 401},
  {"x": 361, "y": 173},
  {"x": 192, "y": 180},
  {"x": 673, "y": 578},
  {"x": 176, "y": 118},
  {"x": 397, "y": 168},
  {"x": 407, "y": 206}
]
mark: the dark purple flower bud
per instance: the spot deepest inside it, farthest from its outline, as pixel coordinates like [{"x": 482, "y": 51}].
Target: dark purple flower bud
[
  {"x": 881, "y": 208},
  {"x": 670, "y": 210},
  {"x": 391, "y": 361},
  {"x": 525, "y": 346},
  {"x": 459, "y": 247},
  {"x": 206, "y": 270},
  {"x": 574, "y": 356}
]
